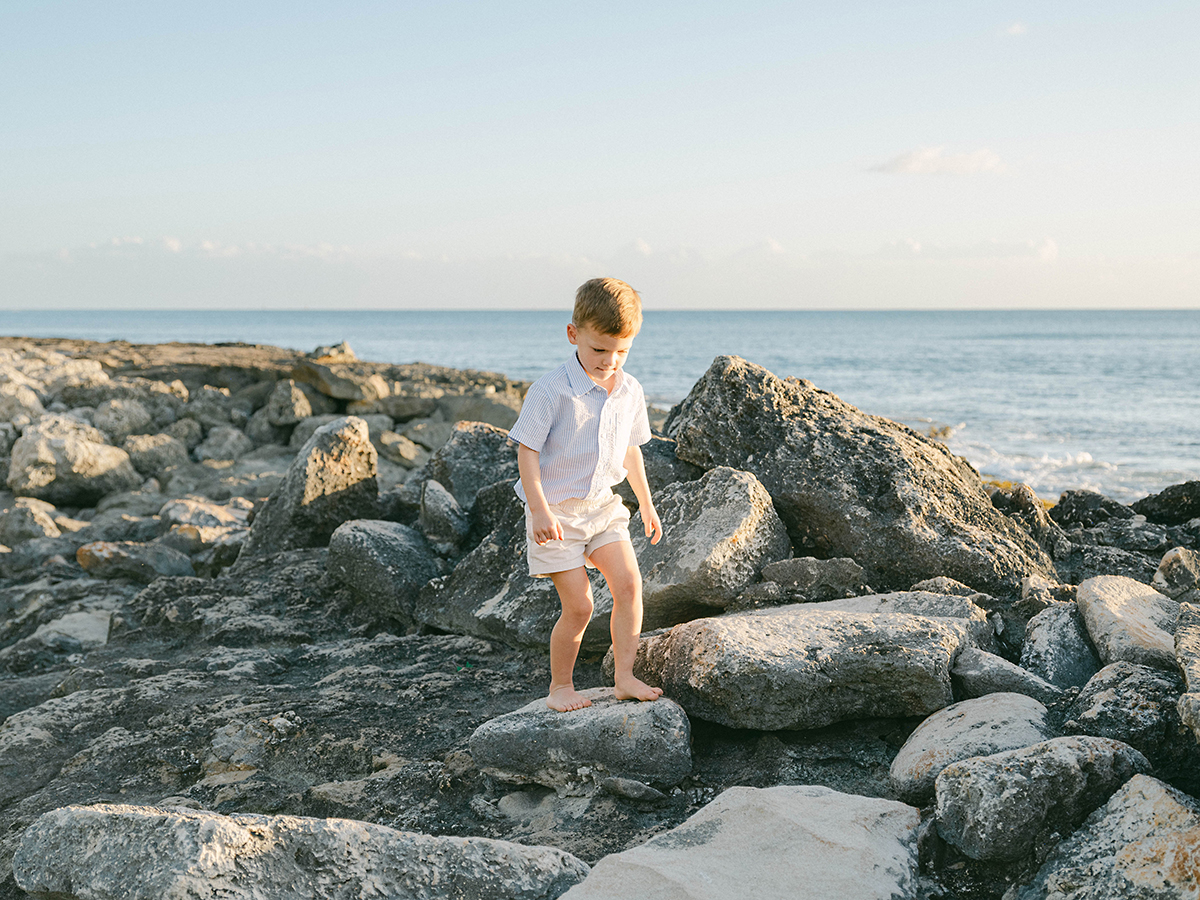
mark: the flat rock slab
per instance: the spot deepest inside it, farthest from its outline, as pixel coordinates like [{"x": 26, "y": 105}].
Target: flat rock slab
[
  {"x": 978, "y": 727},
  {"x": 1128, "y": 620},
  {"x": 778, "y": 843},
  {"x": 132, "y": 560},
  {"x": 978, "y": 673},
  {"x": 647, "y": 742},
  {"x": 1143, "y": 844},
  {"x": 996, "y": 807},
  {"x": 136, "y": 852},
  {"x": 796, "y": 667},
  {"x": 921, "y": 603}
]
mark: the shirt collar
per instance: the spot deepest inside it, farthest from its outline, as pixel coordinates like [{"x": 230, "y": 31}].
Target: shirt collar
[{"x": 581, "y": 383}]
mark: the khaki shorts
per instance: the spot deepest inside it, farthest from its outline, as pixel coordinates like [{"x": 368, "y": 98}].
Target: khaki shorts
[{"x": 586, "y": 525}]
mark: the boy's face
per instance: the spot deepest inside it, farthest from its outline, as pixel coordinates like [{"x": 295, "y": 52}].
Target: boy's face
[{"x": 601, "y": 355}]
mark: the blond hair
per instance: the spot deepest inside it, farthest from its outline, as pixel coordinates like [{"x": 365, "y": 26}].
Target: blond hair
[{"x": 609, "y": 306}]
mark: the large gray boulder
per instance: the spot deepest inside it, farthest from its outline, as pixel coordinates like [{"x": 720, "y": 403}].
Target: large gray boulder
[
  {"x": 978, "y": 727},
  {"x": 145, "y": 853},
  {"x": 647, "y": 742},
  {"x": 384, "y": 564},
  {"x": 120, "y": 418},
  {"x": 795, "y": 667},
  {"x": 996, "y": 807},
  {"x": 331, "y": 481},
  {"x": 963, "y": 611},
  {"x": 718, "y": 532},
  {"x": 224, "y": 442},
  {"x": 151, "y": 454},
  {"x": 1174, "y": 505},
  {"x": 978, "y": 673},
  {"x": 475, "y": 456},
  {"x": 1128, "y": 620},
  {"x": 68, "y": 463},
  {"x": 1141, "y": 845},
  {"x": 1057, "y": 647},
  {"x": 778, "y": 843},
  {"x": 288, "y": 404},
  {"x": 850, "y": 484}
]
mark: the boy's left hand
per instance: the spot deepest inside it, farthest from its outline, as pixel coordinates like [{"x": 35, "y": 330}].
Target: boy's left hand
[{"x": 653, "y": 524}]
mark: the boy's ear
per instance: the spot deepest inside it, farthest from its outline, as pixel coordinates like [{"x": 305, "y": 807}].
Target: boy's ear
[{"x": 572, "y": 333}]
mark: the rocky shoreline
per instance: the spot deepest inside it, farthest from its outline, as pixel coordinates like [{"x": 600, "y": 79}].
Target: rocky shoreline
[{"x": 265, "y": 629}]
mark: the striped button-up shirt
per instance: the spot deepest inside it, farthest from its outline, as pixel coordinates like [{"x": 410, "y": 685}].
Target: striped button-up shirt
[{"x": 580, "y": 431}]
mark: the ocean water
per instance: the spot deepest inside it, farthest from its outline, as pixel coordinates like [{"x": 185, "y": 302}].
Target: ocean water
[{"x": 1105, "y": 400}]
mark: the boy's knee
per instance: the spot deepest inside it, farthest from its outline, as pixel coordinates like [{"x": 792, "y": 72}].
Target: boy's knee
[
  {"x": 626, "y": 585},
  {"x": 578, "y": 608}
]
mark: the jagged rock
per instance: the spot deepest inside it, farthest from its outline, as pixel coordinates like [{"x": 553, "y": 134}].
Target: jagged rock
[
  {"x": 797, "y": 667},
  {"x": 344, "y": 381},
  {"x": 995, "y": 807},
  {"x": 151, "y": 454},
  {"x": 978, "y": 727},
  {"x": 384, "y": 564},
  {"x": 475, "y": 456},
  {"x": 131, "y": 852},
  {"x": 224, "y": 442},
  {"x": 1022, "y": 504},
  {"x": 287, "y": 404},
  {"x": 1057, "y": 647},
  {"x": 1137, "y": 705},
  {"x": 978, "y": 673},
  {"x": 778, "y": 842},
  {"x": 1175, "y": 505},
  {"x": 1077, "y": 563},
  {"x": 121, "y": 418},
  {"x": 1178, "y": 575},
  {"x": 1141, "y": 845},
  {"x": 720, "y": 530},
  {"x": 400, "y": 450},
  {"x": 204, "y": 515},
  {"x": 1039, "y": 593},
  {"x": 849, "y": 484},
  {"x": 19, "y": 403},
  {"x": 127, "y": 559},
  {"x": 1187, "y": 655},
  {"x": 262, "y": 433},
  {"x": 163, "y": 401},
  {"x": 441, "y": 519},
  {"x": 1087, "y": 509},
  {"x": 648, "y": 742},
  {"x": 27, "y": 519},
  {"x": 67, "y": 463},
  {"x": 809, "y": 578},
  {"x": 188, "y": 432},
  {"x": 331, "y": 481},
  {"x": 1128, "y": 620}
]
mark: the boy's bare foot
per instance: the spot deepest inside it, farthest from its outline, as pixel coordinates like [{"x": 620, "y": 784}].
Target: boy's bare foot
[
  {"x": 635, "y": 689},
  {"x": 565, "y": 698}
]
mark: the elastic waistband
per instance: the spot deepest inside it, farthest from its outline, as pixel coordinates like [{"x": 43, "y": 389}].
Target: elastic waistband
[{"x": 578, "y": 504}]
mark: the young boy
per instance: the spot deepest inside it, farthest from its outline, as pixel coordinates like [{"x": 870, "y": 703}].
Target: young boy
[{"x": 579, "y": 433}]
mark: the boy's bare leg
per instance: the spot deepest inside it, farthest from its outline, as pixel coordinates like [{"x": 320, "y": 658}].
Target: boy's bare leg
[
  {"x": 575, "y": 595},
  {"x": 618, "y": 564}
]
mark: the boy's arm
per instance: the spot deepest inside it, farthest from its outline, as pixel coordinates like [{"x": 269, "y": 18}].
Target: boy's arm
[
  {"x": 641, "y": 489},
  {"x": 545, "y": 525}
]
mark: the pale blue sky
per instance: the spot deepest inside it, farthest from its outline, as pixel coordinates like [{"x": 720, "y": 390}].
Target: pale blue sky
[{"x": 834, "y": 155}]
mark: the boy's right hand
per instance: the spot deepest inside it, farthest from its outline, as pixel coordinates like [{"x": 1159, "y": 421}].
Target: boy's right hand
[{"x": 545, "y": 527}]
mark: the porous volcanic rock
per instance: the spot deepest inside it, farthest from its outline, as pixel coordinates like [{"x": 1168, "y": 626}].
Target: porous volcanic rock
[
  {"x": 1141, "y": 845},
  {"x": 786, "y": 841},
  {"x": 647, "y": 742},
  {"x": 68, "y": 463},
  {"x": 1128, "y": 620},
  {"x": 978, "y": 727},
  {"x": 809, "y": 578},
  {"x": 1175, "y": 505},
  {"x": 995, "y": 807},
  {"x": 1187, "y": 654},
  {"x": 109, "y": 851},
  {"x": 850, "y": 484},
  {"x": 331, "y": 481},
  {"x": 1178, "y": 575}
]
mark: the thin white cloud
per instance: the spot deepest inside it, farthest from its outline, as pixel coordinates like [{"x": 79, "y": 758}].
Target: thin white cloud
[
  {"x": 1045, "y": 250},
  {"x": 936, "y": 161},
  {"x": 1015, "y": 29}
]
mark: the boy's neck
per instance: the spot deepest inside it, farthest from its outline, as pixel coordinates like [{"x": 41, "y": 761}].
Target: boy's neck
[{"x": 609, "y": 385}]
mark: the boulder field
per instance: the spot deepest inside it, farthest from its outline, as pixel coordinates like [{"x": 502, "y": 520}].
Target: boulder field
[{"x": 266, "y": 630}]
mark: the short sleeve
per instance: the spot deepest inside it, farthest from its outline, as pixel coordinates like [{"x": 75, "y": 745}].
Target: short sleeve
[
  {"x": 640, "y": 432},
  {"x": 533, "y": 423}
]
